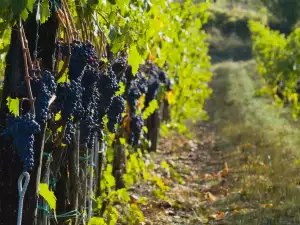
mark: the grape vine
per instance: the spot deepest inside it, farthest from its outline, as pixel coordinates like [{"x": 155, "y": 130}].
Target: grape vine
[{"x": 114, "y": 66}]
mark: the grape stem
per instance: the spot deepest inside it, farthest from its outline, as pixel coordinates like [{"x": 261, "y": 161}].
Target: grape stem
[
  {"x": 27, "y": 77},
  {"x": 68, "y": 14},
  {"x": 69, "y": 37},
  {"x": 27, "y": 49},
  {"x": 21, "y": 104}
]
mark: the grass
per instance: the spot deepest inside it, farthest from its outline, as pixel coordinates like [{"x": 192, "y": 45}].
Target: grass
[{"x": 261, "y": 147}]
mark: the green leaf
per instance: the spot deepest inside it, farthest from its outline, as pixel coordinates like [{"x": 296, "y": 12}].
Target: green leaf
[
  {"x": 134, "y": 59},
  {"x": 123, "y": 194},
  {"x": 60, "y": 129},
  {"x": 30, "y": 4},
  {"x": 4, "y": 4},
  {"x": 108, "y": 177},
  {"x": 165, "y": 165},
  {"x": 48, "y": 195},
  {"x": 45, "y": 11},
  {"x": 58, "y": 116},
  {"x": 1, "y": 90},
  {"x": 122, "y": 89},
  {"x": 145, "y": 129},
  {"x": 123, "y": 4},
  {"x": 18, "y": 6},
  {"x": 13, "y": 105},
  {"x": 65, "y": 77},
  {"x": 21, "y": 7},
  {"x": 97, "y": 221},
  {"x": 143, "y": 200},
  {"x": 153, "y": 105},
  {"x": 24, "y": 14},
  {"x": 122, "y": 141}
]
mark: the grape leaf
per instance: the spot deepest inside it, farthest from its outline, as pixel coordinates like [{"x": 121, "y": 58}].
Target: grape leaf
[
  {"x": 123, "y": 4},
  {"x": 65, "y": 77},
  {"x": 48, "y": 195},
  {"x": 13, "y": 105},
  {"x": 21, "y": 7},
  {"x": 1, "y": 90},
  {"x": 134, "y": 59},
  {"x": 4, "y": 4},
  {"x": 153, "y": 105},
  {"x": 58, "y": 116},
  {"x": 97, "y": 221},
  {"x": 123, "y": 194},
  {"x": 108, "y": 177},
  {"x": 45, "y": 11}
]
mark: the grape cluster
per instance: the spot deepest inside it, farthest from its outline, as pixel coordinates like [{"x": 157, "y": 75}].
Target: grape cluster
[
  {"x": 107, "y": 86},
  {"x": 120, "y": 65},
  {"x": 115, "y": 113},
  {"x": 69, "y": 131},
  {"x": 87, "y": 131},
  {"x": 141, "y": 83},
  {"x": 132, "y": 98},
  {"x": 98, "y": 100},
  {"x": 90, "y": 100},
  {"x": 47, "y": 89},
  {"x": 153, "y": 85},
  {"x": 136, "y": 128},
  {"x": 164, "y": 79},
  {"x": 136, "y": 88},
  {"x": 22, "y": 130}
]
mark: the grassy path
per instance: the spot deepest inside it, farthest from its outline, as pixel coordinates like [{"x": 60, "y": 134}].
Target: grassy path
[{"x": 241, "y": 167}]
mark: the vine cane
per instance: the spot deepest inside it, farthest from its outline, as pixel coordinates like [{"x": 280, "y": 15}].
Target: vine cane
[
  {"x": 90, "y": 201},
  {"x": 22, "y": 191}
]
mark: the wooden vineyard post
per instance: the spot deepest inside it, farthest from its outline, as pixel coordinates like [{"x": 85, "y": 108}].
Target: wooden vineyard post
[
  {"x": 153, "y": 124},
  {"x": 73, "y": 159}
]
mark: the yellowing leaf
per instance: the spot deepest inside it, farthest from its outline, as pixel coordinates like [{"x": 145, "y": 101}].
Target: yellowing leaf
[
  {"x": 134, "y": 59},
  {"x": 140, "y": 104},
  {"x": 170, "y": 96},
  {"x": 97, "y": 221},
  {"x": 236, "y": 212},
  {"x": 13, "y": 105},
  {"x": 210, "y": 197},
  {"x": 268, "y": 205},
  {"x": 206, "y": 176},
  {"x": 217, "y": 216},
  {"x": 126, "y": 123},
  {"x": 48, "y": 195}
]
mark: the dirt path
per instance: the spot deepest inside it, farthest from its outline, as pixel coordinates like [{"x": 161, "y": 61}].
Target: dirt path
[
  {"x": 196, "y": 186},
  {"x": 198, "y": 176},
  {"x": 234, "y": 169}
]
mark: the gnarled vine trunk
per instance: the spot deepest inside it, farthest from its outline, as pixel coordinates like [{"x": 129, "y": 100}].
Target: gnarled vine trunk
[{"x": 10, "y": 164}]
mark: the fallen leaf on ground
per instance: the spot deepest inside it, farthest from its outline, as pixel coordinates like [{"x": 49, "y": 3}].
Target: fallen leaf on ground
[
  {"x": 268, "y": 205},
  {"x": 206, "y": 176},
  {"x": 217, "y": 216},
  {"x": 209, "y": 196},
  {"x": 235, "y": 212}
]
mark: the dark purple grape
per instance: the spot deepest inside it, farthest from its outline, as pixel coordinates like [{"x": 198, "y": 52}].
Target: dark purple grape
[
  {"x": 115, "y": 113},
  {"x": 136, "y": 128},
  {"x": 22, "y": 130}
]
